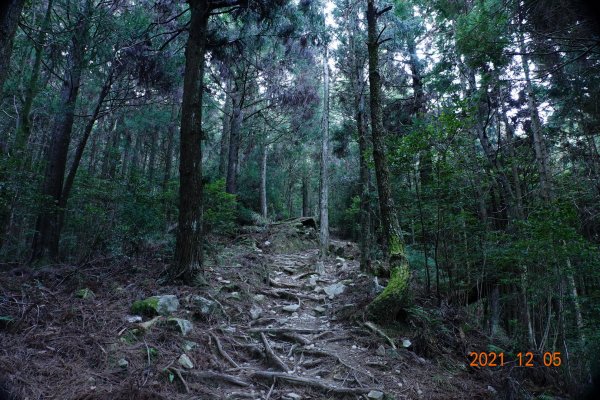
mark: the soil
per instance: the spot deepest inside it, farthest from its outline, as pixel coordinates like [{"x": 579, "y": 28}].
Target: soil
[{"x": 256, "y": 344}]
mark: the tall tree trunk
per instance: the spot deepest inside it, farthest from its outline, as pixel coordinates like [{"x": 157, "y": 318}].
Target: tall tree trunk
[
  {"x": 224, "y": 148},
  {"x": 80, "y": 149},
  {"x": 305, "y": 202},
  {"x": 10, "y": 13},
  {"x": 263, "y": 181},
  {"x": 391, "y": 300},
  {"x": 358, "y": 87},
  {"x": 47, "y": 234},
  {"x": 324, "y": 187},
  {"x": 234, "y": 141},
  {"x": 539, "y": 143},
  {"x": 188, "y": 249},
  {"x": 24, "y": 131}
]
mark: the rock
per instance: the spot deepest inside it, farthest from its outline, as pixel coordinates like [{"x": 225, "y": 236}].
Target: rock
[
  {"x": 380, "y": 350},
  {"x": 312, "y": 281},
  {"x": 185, "y": 361},
  {"x": 293, "y": 396},
  {"x": 255, "y": 312},
  {"x": 149, "y": 324},
  {"x": 204, "y": 306},
  {"x": 123, "y": 363},
  {"x": 189, "y": 345},
  {"x": 132, "y": 319},
  {"x": 406, "y": 343},
  {"x": 375, "y": 395},
  {"x": 320, "y": 268},
  {"x": 291, "y": 308},
  {"x": 334, "y": 289},
  {"x": 319, "y": 309},
  {"x": 235, "y": 296},
  {"x": 259, "y": 298},
  {"x": 183, "y": 325},
  {"x": 267, "y": 243},
  {"x": 161, "y": 305},
  {"x": 85, "y": 294},
  {"x": 491, "y": 389}
]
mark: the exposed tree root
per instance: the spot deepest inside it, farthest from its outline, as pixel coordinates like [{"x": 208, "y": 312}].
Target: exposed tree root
[
  {"x": 271, "y": 356},
  {"x": 315, "y": 383},
  {"x": 222, "y": 351}
]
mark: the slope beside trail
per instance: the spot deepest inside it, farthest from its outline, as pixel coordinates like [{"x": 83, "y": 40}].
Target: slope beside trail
[{"x": 270, "y": 328}]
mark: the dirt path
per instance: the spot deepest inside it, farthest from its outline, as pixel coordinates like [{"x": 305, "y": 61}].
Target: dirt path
[{"x": 276, "y": 331}]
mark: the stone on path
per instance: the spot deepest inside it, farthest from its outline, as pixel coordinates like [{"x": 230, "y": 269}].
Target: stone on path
[
  {"x": 185, "y": 361},
  {"x": 334, "y": 289},
  {"x": 375, "y": 395},
  {"x": 161, "y": 305}
]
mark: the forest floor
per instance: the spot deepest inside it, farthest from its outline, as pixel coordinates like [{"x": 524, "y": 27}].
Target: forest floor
[{"x": 267, "y": 327}]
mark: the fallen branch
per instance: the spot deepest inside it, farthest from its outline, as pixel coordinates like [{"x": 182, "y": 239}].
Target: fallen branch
[
  {"x": 210, "y": 375},
  {"x": 311, "y": 382},
  {"x": 222, "y": 351},
  {"x": 178, "y": 372},
  {"x": 271, "y": 356},
  {"x": 378, "y": 331}
]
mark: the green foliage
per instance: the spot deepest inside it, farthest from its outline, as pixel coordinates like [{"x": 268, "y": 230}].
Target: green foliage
[
  {"x": 220, "y": 208},
  {"x": 481, "y": 34}
]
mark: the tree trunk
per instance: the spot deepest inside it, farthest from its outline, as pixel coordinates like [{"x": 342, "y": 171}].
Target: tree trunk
[
  {"x": 234, "y": 141},
  {"x": 392, "y": 299},
  {"x": 358, "y": 86},
  {"x": 539, "y": 144},
  {"x": 224, "y": 149},
  {"x": 47, "y": 234},
  {"x": 305, "y": 205},
  {"x": 324, "y": 187},
  {"x": 188, "y": 249},
  {"x": 22, "y": 135},
  {"x": 10, "y": 13},
  {"x": 263, "y": 181}
]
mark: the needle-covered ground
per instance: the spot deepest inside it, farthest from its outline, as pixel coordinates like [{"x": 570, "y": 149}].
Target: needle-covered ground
[{"x": 266, "y": 327}]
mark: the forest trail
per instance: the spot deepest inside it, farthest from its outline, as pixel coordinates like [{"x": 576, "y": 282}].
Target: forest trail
[{"x": 272, "y": 329}]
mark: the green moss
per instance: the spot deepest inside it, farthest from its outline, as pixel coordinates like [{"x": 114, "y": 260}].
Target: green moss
[
  {"x": 147, "y": 306},
  {"x": 393, "y": 298}
]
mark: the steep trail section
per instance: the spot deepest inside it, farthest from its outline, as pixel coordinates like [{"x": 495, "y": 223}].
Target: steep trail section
[{"x": 307, "y": 338}]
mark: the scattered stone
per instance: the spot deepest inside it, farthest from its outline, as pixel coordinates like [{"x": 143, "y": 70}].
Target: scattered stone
[
  {"x": 491, "y": 389},
  {"x": 406, "y": 343},
  {"x": 235, "y": 296},
  {"x": 291, "y": 308},
  {"x": 259, "y": 298},
  {"x": 149, "y": 324},
  {"x": 123, "y": 363},
  {"x": 204, "y": 306},
  {"x": 132, "y": 319},
  {"x": 183, "y": 325},
  {"x": 375, "y": 395},
  {"x": 161, "y": 305},
  {"x": 255, "y": 312},
  {"x": 380, "y": 350},
  {"x": 320, "y": 268},
  {"x": 293, "y": 396},
  {"x": 185, "y": 361},
  {"x": 85, "y": 294},
  {"x": 320, "y": 309},
  {"x": 267, "y": 243},
  {"x": 334, "y": 289},
  {"x": 188, "y": 345}
]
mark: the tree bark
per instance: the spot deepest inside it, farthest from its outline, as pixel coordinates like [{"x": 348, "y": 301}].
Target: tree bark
[
  {"x": 324, "y": 187},
  {"x": 47, "y": 234},
  {"x": 392, "y": 299},
  {"x": 224, "y": 148},
  {"x": 188, "y": 249},
  {"x": 263, "y": 181},
  {"x": 234, "y": 141},
  {"x": 10, "y": 13}
]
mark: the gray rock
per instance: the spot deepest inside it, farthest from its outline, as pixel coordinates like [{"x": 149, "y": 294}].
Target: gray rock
[
  {"x": 291, "y": 308},
  {"x": 259, "y": 298},
  {"x": 123, "y": 363},
  {"x": 375, "y": 395},
  {"x": 188, "y": 345},
  {"x": 380, "y": 350},
  {"x": 183, "y": 325},
  {"x": 203, "y": 305},
  {"x": 185, "y": 361},
  {"x": 162, "y": 305},
  {"x": 406, "y": 343},
  {"x": 255, "y": 312},
  {"x": 334, "y": 289},
  {"x": 320, "y": 309},
  {"x": 132, "y": 319},
  {"x": 293, "y": 396}
]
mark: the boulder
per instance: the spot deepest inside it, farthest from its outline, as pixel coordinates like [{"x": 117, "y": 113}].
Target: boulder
[
  {"x": 182, "y": 325},
  {"x": 334, "y": 289},
  {"x": 156, "y": 305},
  {"x": 203, "y": 306}
]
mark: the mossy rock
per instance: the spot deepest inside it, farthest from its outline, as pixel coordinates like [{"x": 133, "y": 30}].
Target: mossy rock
[{"x": 156, "y": 305}]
